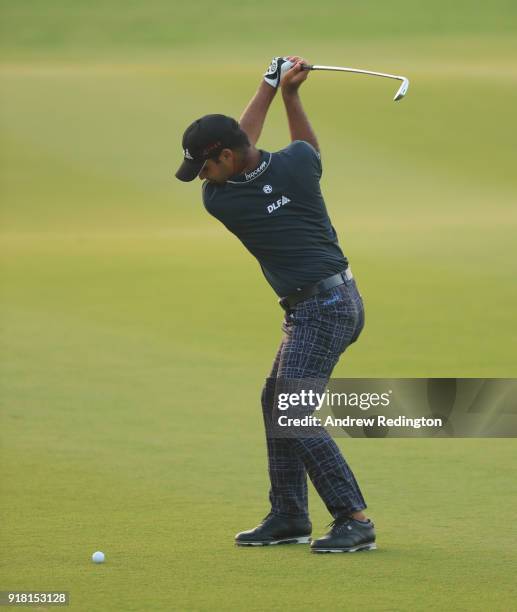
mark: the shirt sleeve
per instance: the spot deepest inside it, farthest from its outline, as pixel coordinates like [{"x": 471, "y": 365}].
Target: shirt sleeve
[{"x": 304, "y": 160}]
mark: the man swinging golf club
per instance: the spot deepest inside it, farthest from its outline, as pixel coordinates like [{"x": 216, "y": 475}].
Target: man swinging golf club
[{"x": 272, "y": 202}]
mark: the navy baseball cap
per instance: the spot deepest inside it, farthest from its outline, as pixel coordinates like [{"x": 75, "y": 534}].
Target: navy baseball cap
[{"x": 205, "y": 138}]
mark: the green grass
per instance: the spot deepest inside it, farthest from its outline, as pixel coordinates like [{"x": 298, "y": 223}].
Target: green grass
[
  {"x": 130, "y": 418},
  {"x": 231, "y": 28}
]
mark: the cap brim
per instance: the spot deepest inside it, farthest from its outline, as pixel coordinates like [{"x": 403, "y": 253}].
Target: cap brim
[{"x": 189, "y": 169}]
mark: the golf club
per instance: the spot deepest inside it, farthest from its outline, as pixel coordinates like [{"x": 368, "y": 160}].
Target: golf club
[{"x": 400, "y": 93}]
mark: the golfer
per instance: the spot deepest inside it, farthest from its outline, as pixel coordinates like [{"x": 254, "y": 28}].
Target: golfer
[{"x": 273, "y": 203}]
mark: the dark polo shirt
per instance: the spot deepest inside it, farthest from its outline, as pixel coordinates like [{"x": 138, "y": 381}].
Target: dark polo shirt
[{"x": 278, "y": 212}]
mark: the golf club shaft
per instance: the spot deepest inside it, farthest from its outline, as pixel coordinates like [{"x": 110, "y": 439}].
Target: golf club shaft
[{"x": 356, "y": 70}]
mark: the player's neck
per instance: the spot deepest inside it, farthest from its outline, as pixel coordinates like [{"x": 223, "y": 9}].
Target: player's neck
[{"x": 250, "y": 161}]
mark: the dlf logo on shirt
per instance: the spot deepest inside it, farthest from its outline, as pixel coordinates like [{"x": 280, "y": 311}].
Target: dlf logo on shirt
[{"x": 280, "y": 202}]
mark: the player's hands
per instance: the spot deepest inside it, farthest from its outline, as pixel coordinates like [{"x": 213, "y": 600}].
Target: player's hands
[
  {"x": 275, "y": 71},
  {"x": 295, "y": 76}
]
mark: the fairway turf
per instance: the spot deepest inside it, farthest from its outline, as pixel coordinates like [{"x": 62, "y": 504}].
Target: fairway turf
[{"x": 136, "y": 332}]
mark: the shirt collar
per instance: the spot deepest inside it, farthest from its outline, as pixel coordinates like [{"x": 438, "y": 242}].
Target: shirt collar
[{"x": 251, "y": 175}]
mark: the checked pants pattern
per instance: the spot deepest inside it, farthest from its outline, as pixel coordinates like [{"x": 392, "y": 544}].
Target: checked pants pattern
[{"x": 317, "y": 331}]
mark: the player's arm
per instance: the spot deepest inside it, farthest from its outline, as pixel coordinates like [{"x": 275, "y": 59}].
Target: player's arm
[
  {"x": 254, "y": 115},
  {"x": 299, "y": 124}
]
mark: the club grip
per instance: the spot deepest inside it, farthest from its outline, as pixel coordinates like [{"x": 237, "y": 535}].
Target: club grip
[{"x": 307, "y": 67}]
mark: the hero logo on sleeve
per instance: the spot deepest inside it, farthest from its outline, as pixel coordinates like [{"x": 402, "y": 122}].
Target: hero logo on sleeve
[{"x": 275, "y": 205}]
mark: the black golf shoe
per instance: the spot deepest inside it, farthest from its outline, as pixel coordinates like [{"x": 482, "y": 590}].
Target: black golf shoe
[
  {"x": 346, "y": 535},
  {"x": 276, "y": 530}
]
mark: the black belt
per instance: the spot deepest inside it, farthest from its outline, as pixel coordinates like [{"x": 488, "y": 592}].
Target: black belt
[{"x": 304, "y": 293}]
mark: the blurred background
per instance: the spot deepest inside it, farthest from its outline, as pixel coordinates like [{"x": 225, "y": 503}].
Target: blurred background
[
  {"x": 422, "y": 193},
  {"x": 137, "y": 331}
]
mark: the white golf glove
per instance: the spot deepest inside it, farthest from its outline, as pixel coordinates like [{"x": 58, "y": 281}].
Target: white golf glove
[{"x": 276, "y": 69}]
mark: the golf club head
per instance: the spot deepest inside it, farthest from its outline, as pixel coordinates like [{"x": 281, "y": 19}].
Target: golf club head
[{"x": 402, "y": 90}]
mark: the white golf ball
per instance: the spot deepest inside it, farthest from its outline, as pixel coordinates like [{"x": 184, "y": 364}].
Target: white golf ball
[{"x": 98, "y": 557}]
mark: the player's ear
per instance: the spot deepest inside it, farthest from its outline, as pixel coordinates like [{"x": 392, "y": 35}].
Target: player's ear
[{"x": 227, "y": 155}]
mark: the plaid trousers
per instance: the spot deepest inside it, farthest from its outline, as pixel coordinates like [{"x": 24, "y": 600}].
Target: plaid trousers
[{"x": 317, "y": 332}]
